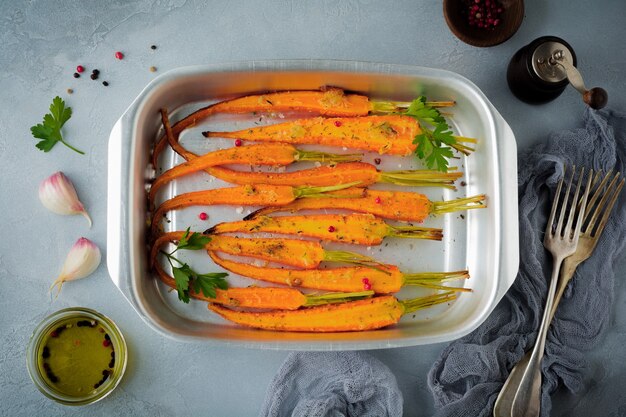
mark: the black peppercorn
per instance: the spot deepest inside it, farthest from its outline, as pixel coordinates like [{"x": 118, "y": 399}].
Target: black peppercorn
[
  {"x": 76, "y": 75},
  {"x": 105, "y": 83},
  {"x": 94, "y": 76}
]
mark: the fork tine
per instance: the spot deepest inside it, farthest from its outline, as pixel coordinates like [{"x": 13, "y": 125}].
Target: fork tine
[
  {"x": 598, "y": 191},
  {"x": 555, "y": 204},
  {"x": 574, "y": 207},
  {"x": 583, "y": 208},
  {"x": 559, "y": 225},
  {"x": 605, "y": 192},
  {"x": 607, "y": 211}
]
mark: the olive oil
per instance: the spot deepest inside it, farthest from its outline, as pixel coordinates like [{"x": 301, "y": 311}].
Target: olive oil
[{"x": 77, "y": 357}]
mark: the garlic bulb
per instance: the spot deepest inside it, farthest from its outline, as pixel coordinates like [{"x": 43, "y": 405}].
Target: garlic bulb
[
  {"x": 57, "y": 194},
  {"x": 81, "y": 261}
]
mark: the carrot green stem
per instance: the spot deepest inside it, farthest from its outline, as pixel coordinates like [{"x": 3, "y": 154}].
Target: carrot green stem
[
  {"x": 303, "y": 192},
  {"x": 414, "y": 232},
  {"x": 425, "y": 302},
  {"x": 474, "y": 202},
  {"x": 464, "y": 149},
  {"x": 349, "y": 257},
  {"x": 396, "y": 106},
  {"x": 422, "y": 178},
  {"x": 335, "y": 297},
  {"x": 326, "y": 157},
  {"x": 434, "y": 279}
]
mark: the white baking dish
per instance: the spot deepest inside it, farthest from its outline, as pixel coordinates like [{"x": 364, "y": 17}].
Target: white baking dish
[{"x": 485, "y": 241}]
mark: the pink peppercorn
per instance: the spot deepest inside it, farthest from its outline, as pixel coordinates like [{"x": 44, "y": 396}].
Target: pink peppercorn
[
  {"x": 378, "y": 200},
  {"x": 80, "y": 68},
  {"x": 106, "y": 343},
  {"x": 337, "y": 123},
  {"x": 203, "y": 216},
  {"x": 367, "y": 287},
  {"x": 119, "y": 55},
  {"x": 238, "y": 142},
  {"x": 331, "y": 229},
  {"x": 365, "y": 281}
]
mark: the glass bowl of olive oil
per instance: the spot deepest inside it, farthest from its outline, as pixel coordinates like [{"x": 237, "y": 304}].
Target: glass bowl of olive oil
[{"x": 76, "y": 356}]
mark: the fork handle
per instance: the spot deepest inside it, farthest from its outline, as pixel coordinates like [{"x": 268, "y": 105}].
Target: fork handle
[{"x": 527, "y": 401}]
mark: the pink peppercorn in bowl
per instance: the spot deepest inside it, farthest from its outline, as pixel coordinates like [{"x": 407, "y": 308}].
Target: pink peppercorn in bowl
[{"x": 483, "y": 22}]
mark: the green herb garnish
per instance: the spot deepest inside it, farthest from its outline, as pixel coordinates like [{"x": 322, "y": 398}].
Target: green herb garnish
[
  {"x": 186, "y": 278},
  {"x": 50, "y": 130}
]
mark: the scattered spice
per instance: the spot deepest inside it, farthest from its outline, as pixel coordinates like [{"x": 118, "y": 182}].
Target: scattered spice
[
  {"x": 94, "y": 76},
  {"x": 119, "y": 55},
  {"x": 80, "y": 68},
  {"x": 377, "y": 161},
  {"x": 367, "y": 286},
  {"x": 153, "y": 47},
  {"x": 337, "y": 123},
  {"x": 105, "y": 83},
  {"x": 96, "y": 71},
  {"x": 378, "y": 200},
  {"x": 331, "y": 229},
  {"x": 153, "y": 69},
  {"x": 70, "y": 91},
  {"x": 76, "y": 75},
  {"x": 238, "y": 142},
  {"x": 203, "y": 216},
  {"x": 463, "y": 183},
  {"x": 106, "y": 343}
]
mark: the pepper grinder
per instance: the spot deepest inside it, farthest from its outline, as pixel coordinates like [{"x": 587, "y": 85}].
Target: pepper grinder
[{"x": 540, "y": 71}]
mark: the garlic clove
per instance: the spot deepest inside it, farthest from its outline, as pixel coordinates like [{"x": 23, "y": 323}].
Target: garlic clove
[
  {"x": 57, "y": 194},
  {"x": 82, "y": 260}
]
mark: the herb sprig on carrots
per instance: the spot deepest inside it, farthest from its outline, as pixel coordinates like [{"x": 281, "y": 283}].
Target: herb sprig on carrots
[{"x": 186, "y": 278}]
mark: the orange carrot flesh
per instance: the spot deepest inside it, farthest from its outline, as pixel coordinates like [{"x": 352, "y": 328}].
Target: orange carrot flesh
[
  {"x": 360, "y": 229},
  {"x": 383, "y": 134},
  {"x": 369, "y": 314},
  {"x": 273, "y": 155},
  {"x": 395, "y": 205},
  {"x": 332, "y": 102},
  {"x": 383, "y": 280},
  {"x": 358, "y": 315}
]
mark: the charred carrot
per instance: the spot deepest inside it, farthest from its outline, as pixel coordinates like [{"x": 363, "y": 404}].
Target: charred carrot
[
  {"x": 269, "y": 154},
  {"x": 365, "y": 174},
  {"x": 383, "y": 134},
  {"x": 266, "y": 297},
  {"x": 368, "y": 314},
  {"x": 395, "y": 205},
  {"x": 361, "y": 229},
  {"x": 331, "y": 102},
  {"x": 247, "y": 195},
  {"x": 299, "y": 253},
  {"x": 384, "y": 279}
]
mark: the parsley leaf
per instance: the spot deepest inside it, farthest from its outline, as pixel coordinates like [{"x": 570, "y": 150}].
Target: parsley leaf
[
  {"x": 49, "y": 132},
  {"x": 186, "y": 278},
  {"x": 435, "y": 143}
]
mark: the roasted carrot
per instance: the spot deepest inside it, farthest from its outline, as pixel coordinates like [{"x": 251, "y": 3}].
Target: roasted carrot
[
  {"x": 365, "y": 174},
  {"x": 384, "y": 279},
  {"x": 395, "y": 205},
  {"x": 369, "y": 314},
  {"x": 266, "y": 297},
  {"x": 383, "y": 134},
  {"x": 299, "y": 253},
  {"x": 247, "y": 195},
  {"x": 268, "y": 154},
  {"x": 360, "y": 229}
]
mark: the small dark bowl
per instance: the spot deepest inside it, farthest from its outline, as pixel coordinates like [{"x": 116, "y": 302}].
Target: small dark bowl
[{"x": 455, "y": 13}]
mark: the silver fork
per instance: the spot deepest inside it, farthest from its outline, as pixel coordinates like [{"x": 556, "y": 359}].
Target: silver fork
[
  {"x": 561, "y": 241},
  {"x": 599, "y": 208}
]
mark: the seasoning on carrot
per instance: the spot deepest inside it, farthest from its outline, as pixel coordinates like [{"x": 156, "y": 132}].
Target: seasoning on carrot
[
  {"x": 361, "y": 229},
  {"x": 368, "y": 314},
  {"x": 366, "y": 174},
  {"x": 268, "y": 154},
  {"x": 384, "y": 279},
  {"x": 299, "y": 253},
  {"x": 247, "y": 195},
  {"x": 332, "y": 102},
  {"x": 279, "y": 298},
  {"x": 395, "y": 205}
]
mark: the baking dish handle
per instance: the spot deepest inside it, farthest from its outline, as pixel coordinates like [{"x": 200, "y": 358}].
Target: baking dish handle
[
  {"x": 509, "y": 235},
  {"x": 115, "y": 211}
]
